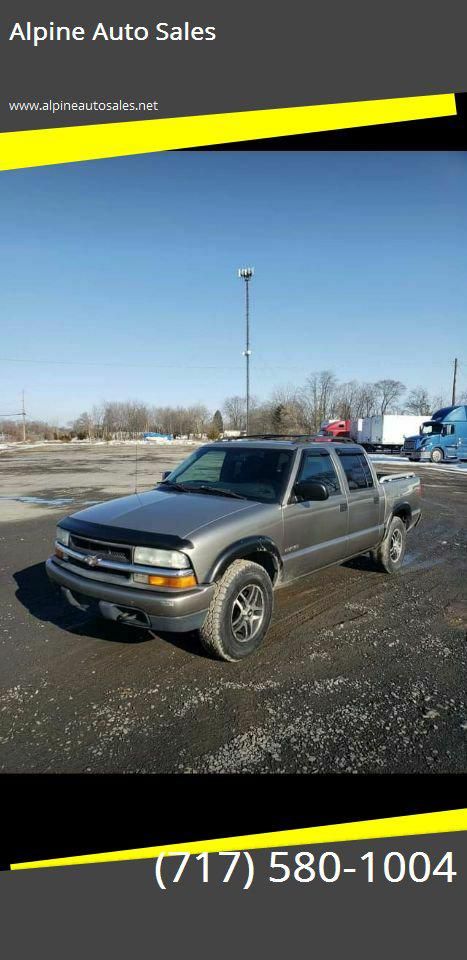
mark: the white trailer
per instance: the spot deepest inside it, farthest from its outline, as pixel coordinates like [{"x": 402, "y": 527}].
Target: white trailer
[
  {"x": 355, "y": 428},
  {"x": 385, "y": 431}
]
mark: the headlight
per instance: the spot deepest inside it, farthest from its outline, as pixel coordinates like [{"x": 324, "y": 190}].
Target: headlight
[
  {"x": 62, "y": 536},
  {"x": 161, "y": 558}
]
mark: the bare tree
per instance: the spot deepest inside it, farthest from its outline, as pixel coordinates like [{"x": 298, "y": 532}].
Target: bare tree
[
  {"x": 419, "y": 402},
  {"x": 12, "y": 430},
  {"x": 438, "y": 402},
  {"x": 235, "y": 412},
  {"x": 286, "y": 411},
  {"x": 365, "y": 400},
  {"x": 346, "y": 400},
  {"x": 318, "y": 398},
  {"x": 83, "y": 427},
  {"x": 388, "y": 393}
]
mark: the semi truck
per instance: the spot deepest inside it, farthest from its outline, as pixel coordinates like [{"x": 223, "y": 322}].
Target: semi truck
[
  {"x": 386, "y": 431},
  {"x": 335, "y": 429},
  {"x": 442, "y": 437}
]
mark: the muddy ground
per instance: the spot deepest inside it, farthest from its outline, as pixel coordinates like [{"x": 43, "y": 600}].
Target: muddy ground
[{"x": 360, "y": 672}]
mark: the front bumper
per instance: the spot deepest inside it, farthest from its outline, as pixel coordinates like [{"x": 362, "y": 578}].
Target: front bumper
[
  {"x": 157, "y": 610},
  {"x": 411, "y": 454}
]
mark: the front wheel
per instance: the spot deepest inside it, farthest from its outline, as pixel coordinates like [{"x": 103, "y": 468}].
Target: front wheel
[
  {"x": 240, "y": 612},
  {"x": 437, "y": 455},
  {"x": 390, "y": 554}
]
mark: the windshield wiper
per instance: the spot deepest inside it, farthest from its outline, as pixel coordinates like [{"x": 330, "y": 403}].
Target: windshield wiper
[
  {"x": 173, "y": 485},
  {"x": 217, "y": 491},
  {"x": 202, "y": 488}
]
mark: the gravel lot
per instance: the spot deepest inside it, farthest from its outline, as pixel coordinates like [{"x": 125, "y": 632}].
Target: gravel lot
[{"x": 360, "y": 672}]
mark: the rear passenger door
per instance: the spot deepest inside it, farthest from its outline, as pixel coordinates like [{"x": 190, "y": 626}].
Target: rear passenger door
[
  {"x": 315, "y": 532},
  {"x": 365, "y": 502}
]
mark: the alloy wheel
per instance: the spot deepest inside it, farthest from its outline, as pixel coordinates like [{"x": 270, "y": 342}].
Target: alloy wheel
[{"x": 248, "y": 611}]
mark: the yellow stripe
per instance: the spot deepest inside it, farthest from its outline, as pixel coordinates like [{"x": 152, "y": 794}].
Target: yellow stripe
[
  {"x": 449, "y": 821},
  {"x": 32, "y": 148}
]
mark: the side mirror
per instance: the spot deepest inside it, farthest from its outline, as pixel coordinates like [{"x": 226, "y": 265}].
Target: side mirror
[
  {"x": 311, "y": 490},
  {"x": 165, "y": 474}
]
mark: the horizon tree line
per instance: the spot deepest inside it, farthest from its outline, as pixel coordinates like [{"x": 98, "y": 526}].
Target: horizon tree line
[{"x": 289, "y": 409}]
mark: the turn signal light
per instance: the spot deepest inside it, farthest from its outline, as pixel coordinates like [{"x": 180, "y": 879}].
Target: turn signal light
[
  {"x": 181, "y": 582},
  {"x": 157, "y": 580},
  {"x": 59, "y": 553}
]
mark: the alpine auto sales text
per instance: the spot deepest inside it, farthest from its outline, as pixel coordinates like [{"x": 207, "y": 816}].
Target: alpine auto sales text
[{"x": 38, "y": 33}]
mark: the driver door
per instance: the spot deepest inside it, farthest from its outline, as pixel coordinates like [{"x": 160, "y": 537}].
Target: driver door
[{"x": 315, "y": 532}]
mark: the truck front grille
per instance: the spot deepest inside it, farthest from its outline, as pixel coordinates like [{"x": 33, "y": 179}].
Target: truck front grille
[
  {"x": 108, "y": 551},
  {"x": 98, "y": 573},
  {"x": 409, "y": 445}
]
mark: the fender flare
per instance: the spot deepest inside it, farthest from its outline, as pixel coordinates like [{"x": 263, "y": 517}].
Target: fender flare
[
  {"x": 401, "y": 504},
  {"x": 241, "y": 550}
]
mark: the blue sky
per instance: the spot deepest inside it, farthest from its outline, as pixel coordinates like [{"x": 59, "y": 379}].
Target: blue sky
[{"x": 126, "y": 270}]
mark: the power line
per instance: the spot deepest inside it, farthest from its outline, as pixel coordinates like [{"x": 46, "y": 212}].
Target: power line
[
  {"x": 152, "y": 366},
  {"x": 106, "y": 363}
]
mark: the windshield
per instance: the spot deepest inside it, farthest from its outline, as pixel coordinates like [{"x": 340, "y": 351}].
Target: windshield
[
  {"x": 254, "y": 473},
  {"x": 427, "y": 428}
]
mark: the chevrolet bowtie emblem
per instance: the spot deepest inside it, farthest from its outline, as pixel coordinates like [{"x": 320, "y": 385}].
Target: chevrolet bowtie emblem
[{"x": 92, "y": 561}]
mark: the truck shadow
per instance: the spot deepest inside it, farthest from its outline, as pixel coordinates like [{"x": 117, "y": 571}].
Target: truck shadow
[
  {"x": 363, "y": 562},
  {"x": 44, "y": 601}
]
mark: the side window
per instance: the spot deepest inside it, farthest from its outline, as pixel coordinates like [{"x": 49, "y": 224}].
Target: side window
[
  {"x": 449, "y": 429},
  {"x": 357, "y": 471},
  {"x": 317, "y": 466}
]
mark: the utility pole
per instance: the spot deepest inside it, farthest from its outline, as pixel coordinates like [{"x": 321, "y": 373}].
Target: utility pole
[
  {"x": 23, "y": 414},
  {"x": 246, "y": 274},
  {"x": 454, "y": 379}
]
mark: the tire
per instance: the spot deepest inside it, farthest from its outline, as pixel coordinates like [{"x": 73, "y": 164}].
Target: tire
[
  {"x": 230, "y": 631},
  {"x": 437, "y": 455},
  {"x": 390, "y": 554}
]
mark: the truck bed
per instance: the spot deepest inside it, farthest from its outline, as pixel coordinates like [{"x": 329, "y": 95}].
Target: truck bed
[{"x": 402, "y": 493}]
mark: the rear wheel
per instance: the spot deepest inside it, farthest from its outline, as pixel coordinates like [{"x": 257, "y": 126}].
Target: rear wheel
[
  {"x": 240, "y": 612},
  {"x": 390, "y": 554},
  {"x": 437, "y": 455}
]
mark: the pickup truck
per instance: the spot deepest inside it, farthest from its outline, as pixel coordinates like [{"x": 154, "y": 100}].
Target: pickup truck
[{"x": 208, "y": 546}]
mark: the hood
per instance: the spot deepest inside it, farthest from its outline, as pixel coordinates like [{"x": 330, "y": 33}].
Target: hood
[{"x": 164, "y": 512}]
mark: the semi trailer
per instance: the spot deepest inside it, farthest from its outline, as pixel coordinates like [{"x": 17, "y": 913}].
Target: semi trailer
[{"x": 385, "y": 431}]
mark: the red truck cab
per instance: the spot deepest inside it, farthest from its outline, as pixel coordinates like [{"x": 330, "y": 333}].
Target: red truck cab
[{"x": 334, "y": 429}]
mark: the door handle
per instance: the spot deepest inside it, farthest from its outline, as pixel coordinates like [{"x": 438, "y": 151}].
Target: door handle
[{"x": 343, "y": 507}]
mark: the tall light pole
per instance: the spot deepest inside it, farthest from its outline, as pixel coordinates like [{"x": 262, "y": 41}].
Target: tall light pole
[
  {"x": 246, "y": 274},
  {"x": 23, "y": 414},
  {"x": 454, "y": 380}
]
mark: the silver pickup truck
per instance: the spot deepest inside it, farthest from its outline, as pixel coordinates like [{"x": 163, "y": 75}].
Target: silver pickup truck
[{"x": 207, "y": 547}]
